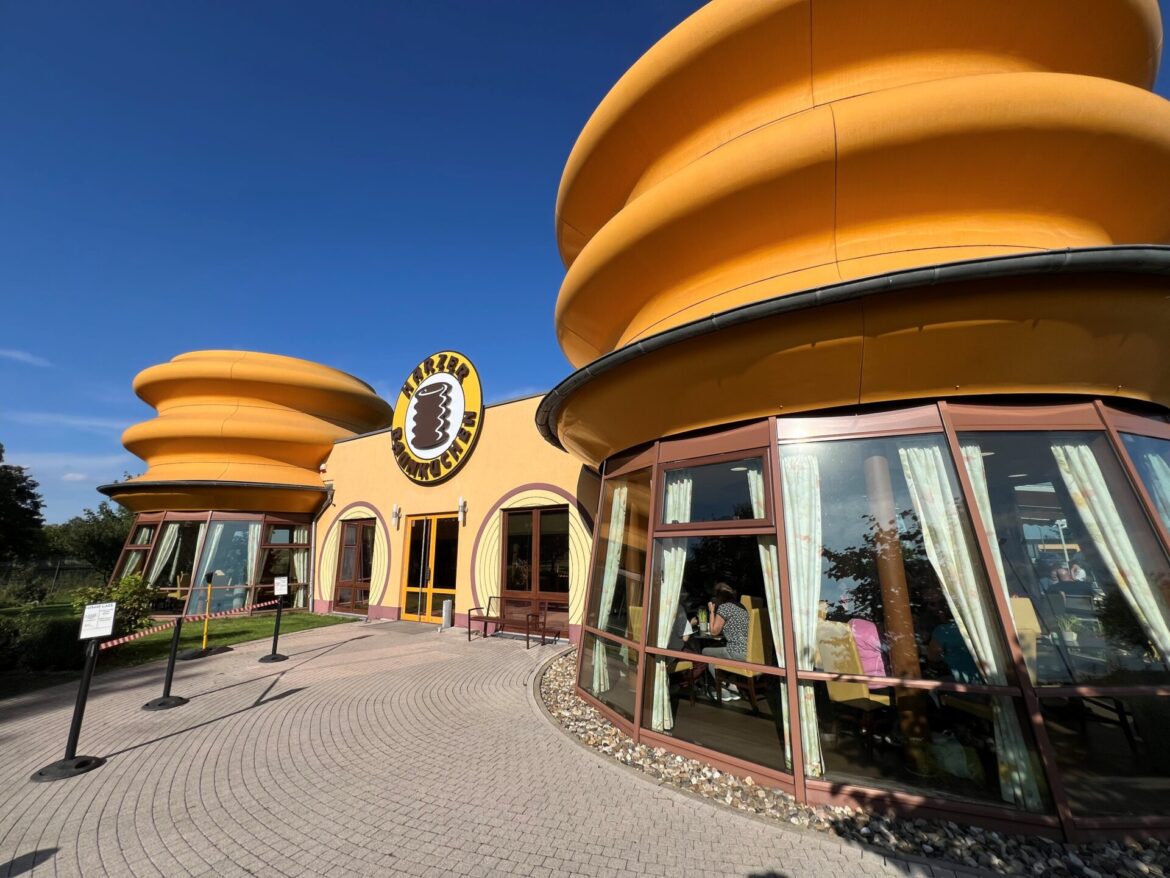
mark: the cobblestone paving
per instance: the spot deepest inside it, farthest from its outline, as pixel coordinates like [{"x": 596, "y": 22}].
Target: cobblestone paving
[{"x": 377, "y": 749}]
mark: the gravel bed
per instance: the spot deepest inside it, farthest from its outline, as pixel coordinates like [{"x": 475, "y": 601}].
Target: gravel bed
[{"x": 950, "y": 842}]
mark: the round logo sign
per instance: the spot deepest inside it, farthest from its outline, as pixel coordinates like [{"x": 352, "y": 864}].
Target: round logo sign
[{"x": 437, "y": 418}]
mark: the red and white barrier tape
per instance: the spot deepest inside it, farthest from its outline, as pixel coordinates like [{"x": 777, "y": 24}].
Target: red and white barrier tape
[{"x": 146, "y": 632}]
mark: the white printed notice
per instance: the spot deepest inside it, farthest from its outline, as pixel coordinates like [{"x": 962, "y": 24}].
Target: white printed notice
[
  {"x": 98, "y": 621},
  {"x": 280, "y": 586}
]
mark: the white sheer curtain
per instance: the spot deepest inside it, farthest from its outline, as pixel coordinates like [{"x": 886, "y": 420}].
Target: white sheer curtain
[
  {"x": 206, "y": 567},
  {"x": 800, "y": 481},
  {"x": 947, "y": 546},
  {"x": 613, "y": 557},
  {"x": 1158, "y": 484},
  {"x": 300, "y": 564},
  {"x": 251, "y": 576},
  {"x": 164, "y": 553},
  {"x": 672, "y": 562},
  {"x": 1086, "y": 485},
  {"x": 770, "y": 565}
]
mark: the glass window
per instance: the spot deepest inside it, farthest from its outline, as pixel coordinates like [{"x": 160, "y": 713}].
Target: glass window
[
  {"x": 728, "y": 491},
  {"x": 1152, "y": 459},
  {"x": 609, "y": 672},
  {"x": 519, "y": 551},
  {"x": 133, "y": 562},
  {"x": 748, "y": 720},
  {"x": 615, "y": 592},
  {"x": 143, "y": 534},
  {"x": 1087, "y": 579},
  {"x": 554, "y": 550},
  {"x": 961, "y": 746},
  {"x": 885, "y": 573},
  {"x": 225, "y": 568},
  {"x": 174, "y": 555},
  {"x": 287, "y": 534},
  {"x": 688, "y": 573},
  {"x": 1111, "y": 753}
]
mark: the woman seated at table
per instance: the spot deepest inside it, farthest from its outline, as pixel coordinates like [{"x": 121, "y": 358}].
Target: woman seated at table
[{"x": 729, "y": 620}]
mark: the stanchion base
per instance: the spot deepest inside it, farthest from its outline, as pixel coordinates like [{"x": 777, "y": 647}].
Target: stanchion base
[
  {"x": 64, "y": 768},
  {"x": 165, "y": 703},
  {"x": 272, "y": 657}
]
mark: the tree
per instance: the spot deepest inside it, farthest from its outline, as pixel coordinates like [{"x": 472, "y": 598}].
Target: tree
[
  {"x": 95, "y": 536},
  {"x": 21, "y": 522}
]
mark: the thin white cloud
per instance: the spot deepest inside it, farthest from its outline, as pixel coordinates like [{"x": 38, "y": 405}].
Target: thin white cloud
[
  {"x": 58, "y": 461},
  {"x": 70, "y": 422},
  {"x": 74, "y": 477},
  {"x": 24, "y": 357}
]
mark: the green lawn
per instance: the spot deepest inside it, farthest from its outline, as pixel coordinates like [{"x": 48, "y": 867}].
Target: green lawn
[
  {"x": 39, "y": 610},
  {"x": 155, "y": 647},
  {"x": 220, "y": 632}
]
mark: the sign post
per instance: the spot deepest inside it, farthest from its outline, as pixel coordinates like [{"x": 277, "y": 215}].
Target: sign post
[
  {"x": 167, "y": 700},
  {"x": 96, "y": 623},
  {"x": 280, "y": 588}
]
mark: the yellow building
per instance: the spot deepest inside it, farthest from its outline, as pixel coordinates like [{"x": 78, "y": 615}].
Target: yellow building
[
  {"x": 262, "y": 466},
  {"x": 868, "y": 302}
]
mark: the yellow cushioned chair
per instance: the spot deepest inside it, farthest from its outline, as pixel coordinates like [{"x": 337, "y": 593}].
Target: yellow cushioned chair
[{"x": 741, "y": 677}]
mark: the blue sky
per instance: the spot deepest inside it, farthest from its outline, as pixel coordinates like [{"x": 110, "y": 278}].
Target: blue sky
[{"x": 359, "y": 184}]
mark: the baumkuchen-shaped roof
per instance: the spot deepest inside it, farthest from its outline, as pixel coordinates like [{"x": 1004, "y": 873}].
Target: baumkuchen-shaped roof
[
  {"x": 765, "y": 147},
  {"x": 242, "y": 430}
]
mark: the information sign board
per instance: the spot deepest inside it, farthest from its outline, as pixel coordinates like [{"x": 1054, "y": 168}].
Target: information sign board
[
  {"x": 98, "y": 621},
  {"x": 280, "y": 586}
]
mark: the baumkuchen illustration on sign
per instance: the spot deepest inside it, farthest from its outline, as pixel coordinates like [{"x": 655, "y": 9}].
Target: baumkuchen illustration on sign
[{"x": 437, "y": 418}]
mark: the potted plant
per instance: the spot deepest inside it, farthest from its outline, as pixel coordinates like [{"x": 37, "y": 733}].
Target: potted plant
[{"x": 1069, "y": 626}]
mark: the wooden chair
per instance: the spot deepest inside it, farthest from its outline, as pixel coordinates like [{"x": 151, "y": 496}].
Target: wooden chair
[
  {"x": 743, "y": 678},
  {"x": 485, "y": 616},
  {"x": 539, "y": 621}
]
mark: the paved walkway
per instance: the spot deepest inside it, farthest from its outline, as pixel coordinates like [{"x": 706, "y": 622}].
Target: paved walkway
[{"x": 377, "y": 749}]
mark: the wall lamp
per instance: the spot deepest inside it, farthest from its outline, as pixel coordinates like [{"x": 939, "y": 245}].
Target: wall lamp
[
  {"x": 396, "y": 515},
  {"x": 462, "y": 511}
]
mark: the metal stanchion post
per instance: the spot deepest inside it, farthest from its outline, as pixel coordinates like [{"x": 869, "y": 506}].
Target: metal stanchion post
[
  {"x": 274, "y": 656},
  {"x": 168, "y": 700},
  {"x": 73, "y": 764}
]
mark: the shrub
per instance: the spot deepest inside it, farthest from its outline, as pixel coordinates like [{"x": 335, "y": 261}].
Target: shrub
[
  {"x": 133, "y": 595},
  {"x": 49, "y": 643},
  {"x": 9, "y": 641}
]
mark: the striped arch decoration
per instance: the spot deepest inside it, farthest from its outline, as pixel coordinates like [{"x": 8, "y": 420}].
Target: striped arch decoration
[
  {"x": 485, "y": 556},
  {"x": 327, "y": 559}
]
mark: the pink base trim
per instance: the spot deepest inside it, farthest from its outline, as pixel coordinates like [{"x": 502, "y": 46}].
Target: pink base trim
[
  {"x": 460, "y": 620},
  {"x": 391, "y": 613},
  {"x": 575, "y": 635},
  {"x": 323, "y": 607}
]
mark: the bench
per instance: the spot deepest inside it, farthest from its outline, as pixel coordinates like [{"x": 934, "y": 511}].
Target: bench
[{"x": 486, "y": 616}]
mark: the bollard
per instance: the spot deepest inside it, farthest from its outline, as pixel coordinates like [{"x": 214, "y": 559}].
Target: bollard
[
  {"x": 73, "y": 764},
  {"x": 167, "y": 701},
  {"x": 274, "y": 656}
]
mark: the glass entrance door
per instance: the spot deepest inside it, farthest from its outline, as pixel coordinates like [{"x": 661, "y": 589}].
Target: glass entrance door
[
  {"x": 354, "y": 566},
  {"x": 536, "y": 566},
  {"x": 432, "y": 555}
]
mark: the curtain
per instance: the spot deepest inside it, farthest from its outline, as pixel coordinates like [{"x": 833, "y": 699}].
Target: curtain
[
  {"x": 254, "y": 528},
  {"x": 770, "y": 565},
  {"x": 300, "y": 565},
  {"x": 800, "y": 481},
  {"x": 206, "y": 566},
  {"x": 1086, "y": 485},
  {"x": 613, "y": 558},
  {"x": 947, "y": 546},
  {"x": 164, "y": 552},
  {"x": 1158, "y": 484},
  {"x": 672, "y": 563},
  {"x": 133, "y": 562}
]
